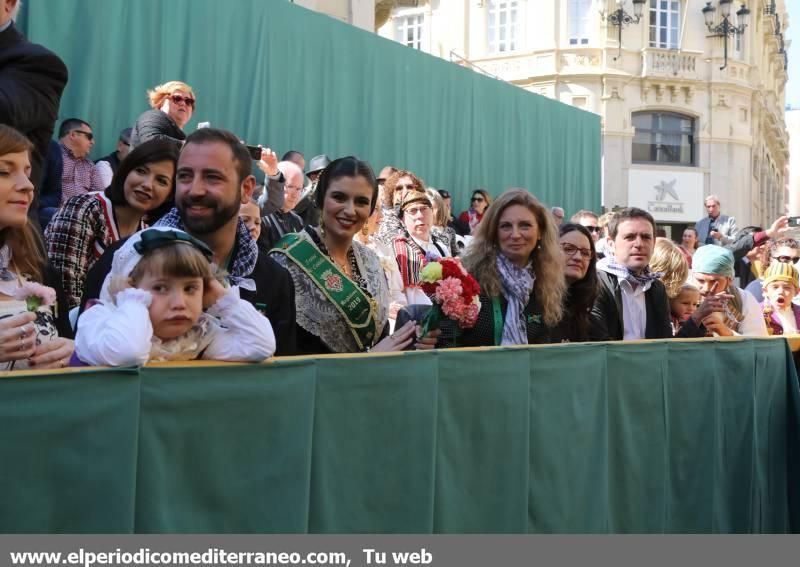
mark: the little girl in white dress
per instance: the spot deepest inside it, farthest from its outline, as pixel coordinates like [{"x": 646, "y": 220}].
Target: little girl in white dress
[{"x": 161, "y": 301}]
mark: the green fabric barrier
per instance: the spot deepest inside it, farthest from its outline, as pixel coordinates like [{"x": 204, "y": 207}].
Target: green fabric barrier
[
  {"x": 664, "y": 436},
  {"x": 286, "y": 77},
  {"x": 68, "y": 447}
]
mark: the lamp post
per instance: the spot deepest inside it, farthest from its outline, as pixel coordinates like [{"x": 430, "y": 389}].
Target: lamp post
[
  {"x": 725, "y": 28},
  {"x": 621, "y": 18}
]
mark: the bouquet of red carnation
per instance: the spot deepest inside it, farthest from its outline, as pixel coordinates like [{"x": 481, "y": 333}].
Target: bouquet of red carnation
[{"x": 454, "y": 293}]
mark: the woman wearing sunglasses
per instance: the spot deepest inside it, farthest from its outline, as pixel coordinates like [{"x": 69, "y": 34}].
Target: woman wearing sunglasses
[
  {"x": 172, "y": 107},
  {"x": 477, "y": 206}
]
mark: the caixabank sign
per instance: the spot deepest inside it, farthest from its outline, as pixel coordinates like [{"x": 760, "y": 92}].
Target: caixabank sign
[{"x": 670, "y": 196}]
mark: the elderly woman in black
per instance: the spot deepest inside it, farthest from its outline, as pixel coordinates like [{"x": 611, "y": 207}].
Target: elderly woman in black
[{"x": 580, "y": 259}]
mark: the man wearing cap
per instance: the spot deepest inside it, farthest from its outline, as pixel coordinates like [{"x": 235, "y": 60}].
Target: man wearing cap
[
  {"x": 307, "y": 207},
  {"x": 781, "y": 284},
  {"x": 107, "y": 165},
  {"x": 632, "y": 302},
  {"x": 713, "y": 273},
  {"x": 417, "y": 245}
]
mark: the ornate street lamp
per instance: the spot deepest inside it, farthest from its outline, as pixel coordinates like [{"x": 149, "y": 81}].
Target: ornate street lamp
[
  {"x": 621, "y": 18},
  {"x": 725, "y": 28}
]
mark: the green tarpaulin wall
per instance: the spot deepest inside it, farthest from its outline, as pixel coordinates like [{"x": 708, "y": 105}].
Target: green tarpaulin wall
[
  {"x": 657, "y": 437},
  {"x": 284, "y": 76}
]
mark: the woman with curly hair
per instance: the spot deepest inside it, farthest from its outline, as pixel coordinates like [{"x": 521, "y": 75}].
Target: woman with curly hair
[
  {"x": 396, "y": 185},
  {"x": 516, "y": 258},
  {"x": 580, "y": 262},
  {"x": 172, "y": 105},
  {"x": 669, "y": 261}
]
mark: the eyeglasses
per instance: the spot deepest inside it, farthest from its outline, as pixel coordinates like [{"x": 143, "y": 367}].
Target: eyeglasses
[
  {"x": 177, "y": 99},
  {"x": 477, "y": 200},
  {"x": 89, "y": 135},
  {"x": 417, "y": 210},
  {"x": 786, "y": 259},
  {"x": 596, "y": 229},
  {"x": 571, "y": 250}
]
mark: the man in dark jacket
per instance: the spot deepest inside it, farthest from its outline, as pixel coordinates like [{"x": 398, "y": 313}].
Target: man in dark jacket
[
  {"x": 213, "y": 180},
  {"x": 32, "y": 79},
  {"x": 632, "y": 302}
]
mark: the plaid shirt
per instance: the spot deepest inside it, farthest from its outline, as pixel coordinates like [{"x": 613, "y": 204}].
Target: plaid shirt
[
  {"x": 79, "y": 176},
  {"x": 76, "y": 237}
]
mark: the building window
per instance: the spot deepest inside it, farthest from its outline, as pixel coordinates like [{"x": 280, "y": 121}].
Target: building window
[
  {"x": 503, "y": 25},
  {"x": 663, "y": 137},
  {"x": 665, "y": 23},
  {"x": 408, "y": 30},
  {"x": 579, "y": 11},
  {"x": 580, "y": 102}
]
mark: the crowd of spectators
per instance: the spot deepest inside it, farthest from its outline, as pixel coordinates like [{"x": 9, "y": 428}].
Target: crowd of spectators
[{"x": 168, "y": 248}]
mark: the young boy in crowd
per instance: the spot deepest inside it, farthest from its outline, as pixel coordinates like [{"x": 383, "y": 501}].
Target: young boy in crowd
[
  {"x": 780, "y": 286},
  {"x": 683, "y": 305}
]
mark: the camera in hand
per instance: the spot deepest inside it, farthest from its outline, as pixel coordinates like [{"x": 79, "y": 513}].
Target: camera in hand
[
  {"x": 711, "y": 228},
  {"x": 255, "y": 152}
]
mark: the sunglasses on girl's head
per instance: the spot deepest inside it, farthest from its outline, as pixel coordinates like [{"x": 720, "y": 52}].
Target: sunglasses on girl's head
[{"x": 177, "y": 99}]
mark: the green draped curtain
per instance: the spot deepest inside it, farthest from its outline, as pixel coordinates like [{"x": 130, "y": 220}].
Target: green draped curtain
[
  {"x": 658, "y": 437},
  {"x": 289, "y": 78}
]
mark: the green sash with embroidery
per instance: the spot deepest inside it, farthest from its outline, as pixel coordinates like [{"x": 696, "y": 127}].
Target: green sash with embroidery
[{"x": 357, "y": 308}]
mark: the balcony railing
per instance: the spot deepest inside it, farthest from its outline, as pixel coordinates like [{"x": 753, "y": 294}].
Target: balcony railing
[{"x": 669, "y": 63}]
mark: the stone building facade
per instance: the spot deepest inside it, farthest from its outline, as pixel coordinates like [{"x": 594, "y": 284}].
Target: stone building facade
[{"x": 679, "y": 120}]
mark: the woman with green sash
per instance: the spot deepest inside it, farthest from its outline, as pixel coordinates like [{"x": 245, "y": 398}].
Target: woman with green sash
[
  {"x": 341, "y": 293},
  {"x": 516, "y": 257}
]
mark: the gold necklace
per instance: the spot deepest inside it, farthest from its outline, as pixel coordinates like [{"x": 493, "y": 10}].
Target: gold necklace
[{"x": 343, "y": 266}]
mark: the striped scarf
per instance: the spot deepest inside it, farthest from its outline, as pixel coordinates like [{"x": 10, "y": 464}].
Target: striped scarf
[
  {"x": 247, "y": 251},
  {"x": 609, "y": 265},
  {"x": 410, "y": 259}
]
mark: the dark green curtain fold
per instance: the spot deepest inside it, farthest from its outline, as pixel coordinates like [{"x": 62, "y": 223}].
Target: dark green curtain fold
[
  {"x": 283, "y": 76},
  {"x": 675, "y": 437}
]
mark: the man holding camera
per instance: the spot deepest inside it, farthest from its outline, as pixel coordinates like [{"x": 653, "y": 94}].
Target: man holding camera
[{"x": 715, "y": 228}]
